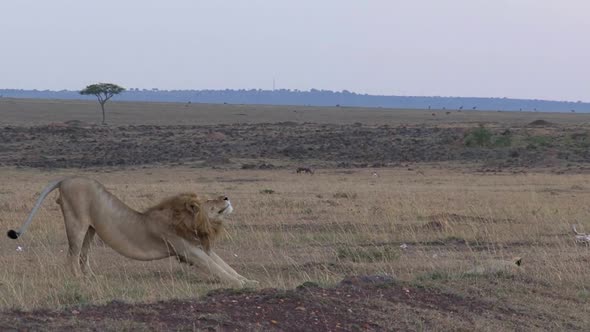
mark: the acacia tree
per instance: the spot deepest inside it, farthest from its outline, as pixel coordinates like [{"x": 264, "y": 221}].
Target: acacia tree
[{"x": 103, "y": 92}]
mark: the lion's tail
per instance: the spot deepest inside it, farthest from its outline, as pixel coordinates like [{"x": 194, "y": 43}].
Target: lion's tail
[{"x": 50, "y": 187}]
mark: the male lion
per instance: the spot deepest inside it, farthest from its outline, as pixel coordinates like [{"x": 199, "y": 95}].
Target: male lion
[{"x": 183, "y": 226}]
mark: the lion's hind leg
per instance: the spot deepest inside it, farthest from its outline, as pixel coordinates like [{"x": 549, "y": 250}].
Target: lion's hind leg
[
  {"x": 76, "y": 232},
  {"x": 75, "y": 242},
  {"x": 84, "y": 262}
]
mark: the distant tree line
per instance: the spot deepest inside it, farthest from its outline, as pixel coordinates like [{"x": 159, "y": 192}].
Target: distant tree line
[{"x": 315, "y": 97}]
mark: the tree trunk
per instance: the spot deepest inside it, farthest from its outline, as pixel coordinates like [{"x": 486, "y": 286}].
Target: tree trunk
[{"x": 103, "y": 120}]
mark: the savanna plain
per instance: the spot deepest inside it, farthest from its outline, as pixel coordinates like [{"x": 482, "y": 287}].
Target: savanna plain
[{"x": 411, "y": 221}]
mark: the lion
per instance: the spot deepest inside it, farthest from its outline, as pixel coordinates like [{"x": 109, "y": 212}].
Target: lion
[
  {"x": 184, "y": 226},
  {"x": 499, "y": 266}
]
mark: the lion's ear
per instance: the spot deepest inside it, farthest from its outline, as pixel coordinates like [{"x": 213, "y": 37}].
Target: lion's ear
[{"x": 193, "y": 207}]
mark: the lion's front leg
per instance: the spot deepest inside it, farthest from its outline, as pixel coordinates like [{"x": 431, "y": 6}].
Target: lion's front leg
[
  {"x": 205, "y": 260},
  {"x": 229, "y": 269},
  {"x": 192, "y": 254}
]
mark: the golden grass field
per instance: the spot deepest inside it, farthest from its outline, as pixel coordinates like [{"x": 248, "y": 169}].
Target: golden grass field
[{"x": 289, "y": 228}]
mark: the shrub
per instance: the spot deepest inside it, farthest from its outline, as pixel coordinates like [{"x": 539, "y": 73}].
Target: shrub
[
  {"x": 541, "y": 141},
  {"x": 503, "y": 141},
  {"x": 344, "y": 195},
  {"x": 368, "y": 254},
  {"x": 480, "y": 136}
]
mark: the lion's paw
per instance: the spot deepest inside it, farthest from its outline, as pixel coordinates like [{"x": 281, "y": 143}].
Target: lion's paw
[{"x": 251, "y": 283}]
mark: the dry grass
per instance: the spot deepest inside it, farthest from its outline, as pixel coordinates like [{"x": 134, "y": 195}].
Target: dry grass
[{"x": 289, "y": 228}]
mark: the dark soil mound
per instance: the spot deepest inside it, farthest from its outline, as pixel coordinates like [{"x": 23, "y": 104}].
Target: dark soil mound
[
  {"x": 367, "y": 303},
  {"x": 77, "y": 146},
  {"x": 540, "y": 123}
]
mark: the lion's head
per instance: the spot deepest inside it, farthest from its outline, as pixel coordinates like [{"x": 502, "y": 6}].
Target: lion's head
[
  {"x": 193, "y": 216},
  {"x": 217, "y": 208}
]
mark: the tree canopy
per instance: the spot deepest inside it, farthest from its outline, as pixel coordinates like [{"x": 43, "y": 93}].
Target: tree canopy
[{"x": 103, "y": 92}]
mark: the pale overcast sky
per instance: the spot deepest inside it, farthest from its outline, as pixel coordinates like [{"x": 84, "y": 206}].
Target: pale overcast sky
[{"x": 488, "y": 48}]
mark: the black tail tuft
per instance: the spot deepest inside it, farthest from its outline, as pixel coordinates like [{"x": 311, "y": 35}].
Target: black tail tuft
[{"x": 13, "y": 234}]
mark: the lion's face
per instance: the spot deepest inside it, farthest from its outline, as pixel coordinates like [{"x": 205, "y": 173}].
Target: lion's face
[{"x": 218, "y": 207}]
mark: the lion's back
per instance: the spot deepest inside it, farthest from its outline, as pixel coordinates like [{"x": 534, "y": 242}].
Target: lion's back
[
  {"x": 79, "y": 191},
  {"x": 79, "y": 185}
]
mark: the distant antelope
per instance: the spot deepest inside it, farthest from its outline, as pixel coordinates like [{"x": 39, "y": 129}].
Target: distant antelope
[{"x": 304, "y": 170}]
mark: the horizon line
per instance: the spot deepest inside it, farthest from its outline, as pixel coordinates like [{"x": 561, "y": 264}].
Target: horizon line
[{"x": 343, "y": 91}]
